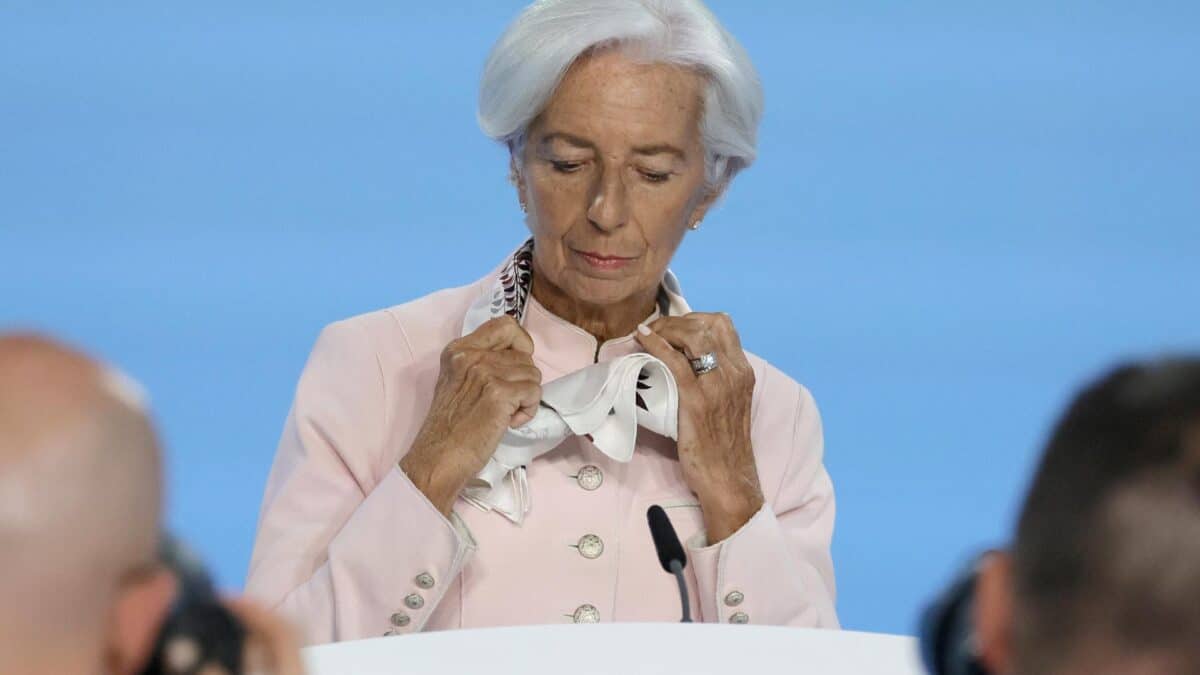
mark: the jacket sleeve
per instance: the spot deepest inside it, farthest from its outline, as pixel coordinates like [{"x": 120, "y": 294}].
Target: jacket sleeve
[
  {"x": 777, "y": 569},
  {"x": 347, "y": 546}
]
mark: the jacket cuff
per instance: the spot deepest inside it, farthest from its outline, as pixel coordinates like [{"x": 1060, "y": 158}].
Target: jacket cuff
[
  {"x": 751, "y": 576},
  {"x": 397, "y": 541}
]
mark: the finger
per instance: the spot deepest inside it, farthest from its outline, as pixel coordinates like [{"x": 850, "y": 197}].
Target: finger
[
  {"x": 731, "y": 352},
  {"x": 513, "y": 400},
  {"x": 503, "y": 332},
  {"x": 689, "y": 334},
  {"x": 507, "y": 358},
  {"x": 271, "y": 644},
  {"x": 710, "y": 332},
  {"x": 517, "y": 373},
  {"x": 529, "y": 399},
  {"x": 713, "y": 320},
  {"x": 476, "y": 362},
  {"x": 658, "y": 347},
  {"x": 255, "y": 658},
  {"x": 271, "y": 635},
  {"x": 522, "y": 418},
  {"x": 723, "y": 326},
  {"x": 507, "y": 365}
]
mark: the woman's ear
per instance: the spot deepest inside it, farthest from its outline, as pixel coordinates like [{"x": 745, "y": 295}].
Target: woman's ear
[
  {"x": 707, "y": 199},
  {"x": 993, "y": 611},
  {"x": 138, "y": 615},
  {"x": 518, "y": 180}
]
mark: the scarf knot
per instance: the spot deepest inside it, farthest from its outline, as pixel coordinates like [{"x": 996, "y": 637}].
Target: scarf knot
[{"x": 606, "y": 401}]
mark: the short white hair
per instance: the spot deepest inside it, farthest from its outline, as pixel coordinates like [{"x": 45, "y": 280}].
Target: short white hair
[{"x": 530, "y": 58}]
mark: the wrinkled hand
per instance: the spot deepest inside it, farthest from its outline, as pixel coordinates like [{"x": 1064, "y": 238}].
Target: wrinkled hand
[
  {"x": 715, "y": 452},
  {"x": 487, "y": 384}
]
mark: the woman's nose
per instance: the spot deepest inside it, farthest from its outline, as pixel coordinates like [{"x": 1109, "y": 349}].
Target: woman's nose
[{"x": 609, "y": 207}]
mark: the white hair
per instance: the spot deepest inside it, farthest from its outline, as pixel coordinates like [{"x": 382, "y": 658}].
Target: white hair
[{"x": 530, "y": 58}]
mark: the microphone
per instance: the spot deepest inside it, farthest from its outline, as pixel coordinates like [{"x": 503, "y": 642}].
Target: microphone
[{"x": 670, "y": 553}]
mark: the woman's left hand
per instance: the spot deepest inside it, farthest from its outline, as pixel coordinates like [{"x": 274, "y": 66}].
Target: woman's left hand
[{"x": 715, "y": 453}]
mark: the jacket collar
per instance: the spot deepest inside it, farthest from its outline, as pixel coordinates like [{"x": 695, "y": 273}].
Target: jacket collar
[{"x": 559, "y": 344}]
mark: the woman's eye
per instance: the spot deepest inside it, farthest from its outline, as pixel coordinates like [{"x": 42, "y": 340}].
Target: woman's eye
[
  {"x": 655, "y": 176},
  {"x": 566, "y": 167}
]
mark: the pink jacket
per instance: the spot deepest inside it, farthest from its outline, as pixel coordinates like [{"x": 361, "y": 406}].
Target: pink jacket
[{"x": 348, "y": 548}]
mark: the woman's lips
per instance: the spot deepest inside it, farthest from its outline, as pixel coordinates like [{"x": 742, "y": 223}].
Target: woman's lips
[{"x": 604, "y": 262}]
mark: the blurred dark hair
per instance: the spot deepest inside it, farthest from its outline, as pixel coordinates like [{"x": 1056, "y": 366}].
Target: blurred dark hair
[{"x": 1108, "y": 541}]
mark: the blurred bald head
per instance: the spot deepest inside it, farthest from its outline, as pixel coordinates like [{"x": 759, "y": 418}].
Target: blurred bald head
[{"x": 79, "y": 495}]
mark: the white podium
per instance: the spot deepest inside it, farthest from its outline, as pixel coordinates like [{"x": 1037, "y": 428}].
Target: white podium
[{"x": 623, "y": 649}]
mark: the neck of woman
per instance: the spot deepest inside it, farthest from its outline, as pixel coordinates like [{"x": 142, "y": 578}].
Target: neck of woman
[{"x": 603, "y": 322}]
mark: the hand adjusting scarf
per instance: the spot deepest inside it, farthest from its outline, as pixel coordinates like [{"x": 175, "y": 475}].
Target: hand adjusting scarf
[{"x": 606, "y": 401}]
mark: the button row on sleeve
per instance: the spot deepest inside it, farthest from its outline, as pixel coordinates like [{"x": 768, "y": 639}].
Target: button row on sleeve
[
  {"x": 733, "y": 599},
  {"x": 412, "y": 601}
]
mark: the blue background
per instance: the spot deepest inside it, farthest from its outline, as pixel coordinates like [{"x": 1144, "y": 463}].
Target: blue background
[{"x": 962, "y": 211}]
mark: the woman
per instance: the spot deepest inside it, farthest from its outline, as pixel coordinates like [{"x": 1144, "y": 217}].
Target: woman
[{"x": 625, "y": 120}]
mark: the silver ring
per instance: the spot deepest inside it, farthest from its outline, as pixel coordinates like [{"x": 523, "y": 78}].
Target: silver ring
[{"x": 705, "y": 363}]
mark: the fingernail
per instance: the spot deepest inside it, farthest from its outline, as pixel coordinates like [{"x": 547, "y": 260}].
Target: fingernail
[{"x": 644, "y": 329}]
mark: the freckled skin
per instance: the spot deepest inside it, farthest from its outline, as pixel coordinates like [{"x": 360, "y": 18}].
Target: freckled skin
[
  {"x": 593, "y": 191},
  {"x": 614, "y": 166}
]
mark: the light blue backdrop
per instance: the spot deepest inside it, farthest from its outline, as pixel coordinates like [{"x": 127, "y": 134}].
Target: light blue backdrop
[{"x": 961, "y": 212}]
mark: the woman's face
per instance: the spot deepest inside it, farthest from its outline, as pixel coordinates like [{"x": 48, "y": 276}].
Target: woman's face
[{"x": 613, "y": 175}]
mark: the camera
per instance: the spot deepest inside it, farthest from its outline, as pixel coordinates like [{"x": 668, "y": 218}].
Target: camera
[
  {"x": 946, "y": 634},
  {"x": 199, "y": 631}
]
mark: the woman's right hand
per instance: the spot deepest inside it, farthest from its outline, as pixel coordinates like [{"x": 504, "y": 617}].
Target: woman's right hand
[{"x": 487, "y": 384}]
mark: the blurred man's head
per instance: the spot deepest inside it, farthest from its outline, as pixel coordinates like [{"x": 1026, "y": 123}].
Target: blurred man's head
[
  {"x": 1104, "y": 576},
  {"x": 79, "y": 515}
]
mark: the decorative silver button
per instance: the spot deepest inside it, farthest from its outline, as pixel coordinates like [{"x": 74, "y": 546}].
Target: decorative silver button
[
  {"x": 414, "y": 601},
  {"x": 739, "y": 617},
  {"x": 400, "y": 619},
  {"x": 590, "y": 546},
  {"x": 586, "y": 614},
  {"x": 734, "y": 598},
  {"x": 590, "y": 477},
  {"x": 425, "y": 580}
]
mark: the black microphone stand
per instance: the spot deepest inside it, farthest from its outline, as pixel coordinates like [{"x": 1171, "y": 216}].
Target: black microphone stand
[
  {"x": 677, "y": 570},
  {"x": 670, "y": 553}
]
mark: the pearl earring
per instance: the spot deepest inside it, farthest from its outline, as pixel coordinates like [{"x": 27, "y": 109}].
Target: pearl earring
[{"x": 694, "y": 226}]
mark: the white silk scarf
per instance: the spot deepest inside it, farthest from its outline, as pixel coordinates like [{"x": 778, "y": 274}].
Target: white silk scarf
[{"x": 606, "y": 401}]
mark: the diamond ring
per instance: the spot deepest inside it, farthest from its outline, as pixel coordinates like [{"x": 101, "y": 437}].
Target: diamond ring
[{"x": 705, "y": 363}]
